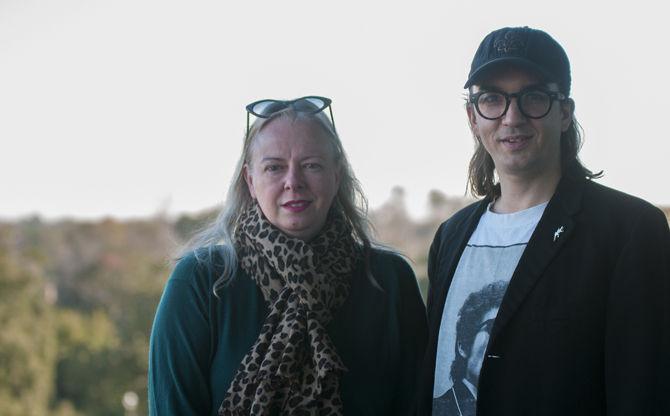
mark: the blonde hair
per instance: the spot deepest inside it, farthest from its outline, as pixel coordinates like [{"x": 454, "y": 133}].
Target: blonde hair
[{"x": 214, "y": 245}]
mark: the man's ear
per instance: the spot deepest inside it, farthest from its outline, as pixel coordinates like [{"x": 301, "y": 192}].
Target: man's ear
[
  {"x": 248, "y": 178},
  {"x": 567, "y": 113},
  {"x": 472, "y": 118}
]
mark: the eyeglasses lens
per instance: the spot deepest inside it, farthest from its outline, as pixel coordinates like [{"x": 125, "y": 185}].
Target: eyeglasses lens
[
  {"x": 534, "y": 104},
  {"x": 491, "y": 104}
]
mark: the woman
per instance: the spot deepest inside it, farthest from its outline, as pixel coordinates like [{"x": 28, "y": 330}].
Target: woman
[{"x": 283, "y": 307}]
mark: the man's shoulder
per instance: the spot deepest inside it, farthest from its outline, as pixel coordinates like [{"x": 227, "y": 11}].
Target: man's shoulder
[
  {"x": 452, "y": 232},
  {"x": 608, "y": 202},
  {"x": 461, "y": 217}
]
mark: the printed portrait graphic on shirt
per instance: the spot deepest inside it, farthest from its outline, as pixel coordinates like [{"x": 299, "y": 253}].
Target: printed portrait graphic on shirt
[
  {"x": 473, "y": 327},
  {"x": 475, "y": 294}
]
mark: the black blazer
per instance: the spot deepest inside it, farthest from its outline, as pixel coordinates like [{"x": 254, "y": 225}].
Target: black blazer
[{"x": 583, "y": 328}]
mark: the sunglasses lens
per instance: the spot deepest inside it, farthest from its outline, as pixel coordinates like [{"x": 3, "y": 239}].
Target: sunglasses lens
[
  {"x": 266, "y": 108},
  {"x": 310, "y": 105}
]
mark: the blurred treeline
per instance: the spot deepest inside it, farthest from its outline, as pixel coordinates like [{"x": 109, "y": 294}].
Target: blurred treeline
[{"x": 77, "y": 301}]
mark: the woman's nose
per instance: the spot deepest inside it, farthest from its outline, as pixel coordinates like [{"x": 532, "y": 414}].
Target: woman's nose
[{"x": 294, "y": 178}]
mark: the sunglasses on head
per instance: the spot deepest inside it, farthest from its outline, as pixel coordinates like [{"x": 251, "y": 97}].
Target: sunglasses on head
[{"x": 310, "y": 105}]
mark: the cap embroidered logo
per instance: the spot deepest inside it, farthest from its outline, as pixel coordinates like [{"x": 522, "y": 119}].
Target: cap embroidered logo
[{"x": 510, "y": 43}]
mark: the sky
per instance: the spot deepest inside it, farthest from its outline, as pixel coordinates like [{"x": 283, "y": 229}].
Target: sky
[{"x": 130, "y": 108}]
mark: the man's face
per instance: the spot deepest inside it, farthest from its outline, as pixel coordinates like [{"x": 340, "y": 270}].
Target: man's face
[{"x": 521, "y": 147}]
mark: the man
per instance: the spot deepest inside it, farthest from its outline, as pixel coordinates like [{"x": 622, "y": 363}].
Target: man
[{"x": 582, "y": 317}]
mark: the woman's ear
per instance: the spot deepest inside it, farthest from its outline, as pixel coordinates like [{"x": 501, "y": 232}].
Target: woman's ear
[{"x": 338, "y": 175}]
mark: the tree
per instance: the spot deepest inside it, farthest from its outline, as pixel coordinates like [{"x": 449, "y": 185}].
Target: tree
[{"x": 27, "y": 341}]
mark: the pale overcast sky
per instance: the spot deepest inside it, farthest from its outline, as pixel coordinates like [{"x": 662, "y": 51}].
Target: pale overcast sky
[{"x": 127, "y": 107}]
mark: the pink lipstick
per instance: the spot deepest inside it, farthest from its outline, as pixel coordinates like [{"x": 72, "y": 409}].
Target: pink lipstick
[{"x": 296, "y": 205}]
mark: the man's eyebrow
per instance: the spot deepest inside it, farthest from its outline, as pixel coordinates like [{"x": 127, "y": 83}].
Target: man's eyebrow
[{"x": 538, "y": 85}]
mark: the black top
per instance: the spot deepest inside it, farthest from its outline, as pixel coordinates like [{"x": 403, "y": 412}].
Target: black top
[
  {"x": 199, "y": 340},
  {"x": 584, "y": 326}
]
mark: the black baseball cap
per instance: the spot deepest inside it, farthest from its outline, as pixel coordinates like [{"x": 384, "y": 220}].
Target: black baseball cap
[{"x": 524, "y": 46}]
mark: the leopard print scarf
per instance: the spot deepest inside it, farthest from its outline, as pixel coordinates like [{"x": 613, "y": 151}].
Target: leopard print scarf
[{"x": 293, "y": 367}]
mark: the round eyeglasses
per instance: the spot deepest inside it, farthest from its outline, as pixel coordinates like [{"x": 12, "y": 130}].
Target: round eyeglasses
[
  {"x": 533, "y": 103},
  {"x": 311, "y": 105}
]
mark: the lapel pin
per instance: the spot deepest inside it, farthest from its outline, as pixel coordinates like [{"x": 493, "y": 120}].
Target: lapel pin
[{"x": 558, "y": 232}]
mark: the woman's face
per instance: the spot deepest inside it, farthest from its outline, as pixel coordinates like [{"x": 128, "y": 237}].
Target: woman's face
[{"x": 293, "y": 176}]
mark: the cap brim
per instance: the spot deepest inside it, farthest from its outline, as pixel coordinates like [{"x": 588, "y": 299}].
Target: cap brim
[{"x": 489, "y": 66}]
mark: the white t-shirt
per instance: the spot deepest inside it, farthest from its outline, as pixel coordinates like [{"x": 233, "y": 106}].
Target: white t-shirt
[{"x": 480, "y": 280}]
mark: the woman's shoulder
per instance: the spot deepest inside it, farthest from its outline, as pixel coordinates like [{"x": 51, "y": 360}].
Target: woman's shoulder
[
  {"x": 392, "y": 274},
  {"x": 387, "y": 257},
  {"x": 200, "y": 267},
  {"x": 207, "y": 268},
  {"x": 390, "y": 268}
]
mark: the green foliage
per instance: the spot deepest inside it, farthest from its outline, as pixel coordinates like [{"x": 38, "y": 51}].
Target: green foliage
[
  {"x": 27, "y": 342},
  {"x": 86, "y": 344},
  {"x": 64, "y": 408},
  {"x": 76, "y": 303},
  {"x": 186, "y": 225}
]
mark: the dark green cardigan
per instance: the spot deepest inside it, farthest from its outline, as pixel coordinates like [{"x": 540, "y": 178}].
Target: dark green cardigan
[{"x": 198, "y": 340}]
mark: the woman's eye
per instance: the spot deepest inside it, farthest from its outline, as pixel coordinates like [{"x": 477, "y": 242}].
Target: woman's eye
[
  {"x": 272, "y": 168},
  {"x": 312, "y": 166}
]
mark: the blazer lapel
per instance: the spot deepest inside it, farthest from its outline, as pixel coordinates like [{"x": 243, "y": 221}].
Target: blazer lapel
[{"x": 551, "y": 233}]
